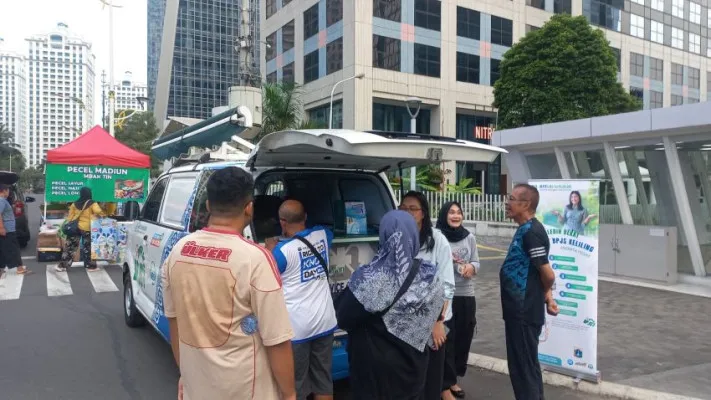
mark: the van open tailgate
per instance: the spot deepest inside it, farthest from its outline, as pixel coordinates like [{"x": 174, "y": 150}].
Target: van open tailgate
[{"x": 369, "y": 151}]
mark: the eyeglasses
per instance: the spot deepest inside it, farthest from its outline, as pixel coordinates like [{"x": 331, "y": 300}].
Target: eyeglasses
[
  {"x": 411, "y": 209},
  {"x": 512, "y": 199}
]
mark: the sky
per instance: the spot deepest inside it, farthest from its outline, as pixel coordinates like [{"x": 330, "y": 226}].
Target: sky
[{"x": 88, "y": 19}]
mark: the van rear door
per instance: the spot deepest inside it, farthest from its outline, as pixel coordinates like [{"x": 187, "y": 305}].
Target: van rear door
[{"x": 369, "y": 151}]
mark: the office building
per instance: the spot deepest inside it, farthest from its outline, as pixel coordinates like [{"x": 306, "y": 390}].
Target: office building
[
  {"x": 447, "y": 53},
  {"x": 192, "y": 74},
  {"x": 60, "y": 86},
  {"x": 130, "y": 95},
  {"x": 13, "y": 100}
]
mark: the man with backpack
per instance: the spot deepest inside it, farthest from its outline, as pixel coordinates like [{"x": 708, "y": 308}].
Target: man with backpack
[{"x": 302, "y": 258}]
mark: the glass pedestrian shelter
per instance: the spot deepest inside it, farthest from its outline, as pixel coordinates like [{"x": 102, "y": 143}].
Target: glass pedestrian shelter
[{"x": 655, "y": 172}]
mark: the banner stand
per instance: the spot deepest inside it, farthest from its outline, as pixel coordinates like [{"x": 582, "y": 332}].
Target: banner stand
[{"x": 569, "y": 211}]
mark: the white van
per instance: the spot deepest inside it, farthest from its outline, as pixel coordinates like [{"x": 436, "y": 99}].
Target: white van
[{"x": 321, "y": 168}]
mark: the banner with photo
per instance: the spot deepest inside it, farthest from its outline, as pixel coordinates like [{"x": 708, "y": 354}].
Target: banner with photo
[{"x": 569, "y": 210}]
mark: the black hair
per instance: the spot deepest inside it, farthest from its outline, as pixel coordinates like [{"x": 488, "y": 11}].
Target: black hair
[
  {"x": 4, "y": 187},
  {"x": 229, "y": 190},
  {"x": 580, "y": 200},
  {"x": 426, "y": 235},
  {"x": 533, "y": 195}
]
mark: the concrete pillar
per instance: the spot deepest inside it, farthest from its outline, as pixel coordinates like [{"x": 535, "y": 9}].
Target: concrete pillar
[
  {"x": 685, "y": 161},
  {"x": 699, "y": 165},
  {"x": 666, "y": 203},
  {"x": 682, "y": 201},
  {"x": 562, "y": 163},
  {"x": 633, "y": 172},
  {"x": 517, "y": 166},
  {"x": 581, "y": 161},
  {"x": 617, "y": 183}
]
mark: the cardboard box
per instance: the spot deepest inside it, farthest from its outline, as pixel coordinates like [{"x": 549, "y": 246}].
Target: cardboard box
[{"x": 48, "y": 240}]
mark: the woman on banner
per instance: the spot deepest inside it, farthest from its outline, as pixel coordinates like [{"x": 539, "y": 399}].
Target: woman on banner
[
  {"x": 465, "y": 256},
  {"x": 83, "y": 210},
  {"x": 574, "y": 217}
]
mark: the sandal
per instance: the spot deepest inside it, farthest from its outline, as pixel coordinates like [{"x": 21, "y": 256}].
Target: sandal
[
  {"x": 458, "y": 393},
  {"x": 23, "y": 271},
  {"x": 60, "y": 269},
  {"x": 92, "y": 269}
]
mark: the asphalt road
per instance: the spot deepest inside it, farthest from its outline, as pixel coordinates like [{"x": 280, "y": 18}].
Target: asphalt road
[{"x": 77, "y": 347}]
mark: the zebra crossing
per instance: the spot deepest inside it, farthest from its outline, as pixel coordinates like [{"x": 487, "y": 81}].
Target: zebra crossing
[{"x": 58, "y": 283}]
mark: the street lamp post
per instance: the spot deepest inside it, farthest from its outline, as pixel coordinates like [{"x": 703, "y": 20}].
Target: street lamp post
[
  {"x": 413, "y": 103},
  {"x": 333, "y": 90}
]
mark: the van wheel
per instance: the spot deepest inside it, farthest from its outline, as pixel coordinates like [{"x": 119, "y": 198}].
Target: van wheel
[{"x": 133, "y": 318}]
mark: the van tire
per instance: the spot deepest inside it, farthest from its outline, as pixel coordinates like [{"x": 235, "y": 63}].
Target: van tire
[{"x": 133, "y": 318}]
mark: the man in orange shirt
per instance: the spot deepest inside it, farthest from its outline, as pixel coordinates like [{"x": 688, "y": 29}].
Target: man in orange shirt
[{"x": 229, "y": 327}]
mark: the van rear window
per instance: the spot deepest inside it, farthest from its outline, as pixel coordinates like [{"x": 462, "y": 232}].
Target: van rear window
[{"x": 324, "y": 195}]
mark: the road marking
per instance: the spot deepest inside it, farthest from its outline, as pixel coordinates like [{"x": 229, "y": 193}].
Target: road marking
[
  {"x": 102, "y": 281},
  {"x": 29, "y": 257},
  {"x": 493, "y": 258},
  {"x": 58, "y": 282},
  {"x": 481, "y": 246},
  {"x": 11, "y": 285}
]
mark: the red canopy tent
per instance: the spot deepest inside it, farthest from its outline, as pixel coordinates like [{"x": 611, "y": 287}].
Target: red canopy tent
[{"x": 97, "y": 147}]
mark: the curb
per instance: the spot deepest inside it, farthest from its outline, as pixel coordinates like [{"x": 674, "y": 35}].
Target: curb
[{"x": 608, "y": 389}]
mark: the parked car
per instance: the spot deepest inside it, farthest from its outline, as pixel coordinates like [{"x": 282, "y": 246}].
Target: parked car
[
  {"x": 321, "y": 168},
  {"x": 18, "y": 201}
]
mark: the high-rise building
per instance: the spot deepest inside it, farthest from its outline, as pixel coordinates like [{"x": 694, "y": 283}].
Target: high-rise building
[
  {"x": 13, "y": 100},
  {"x": 60, "y": 90},
  {"x": 200, "y": 62},
  {"x": 448, "y": 52},
  {"x": 130, "y": 95}
]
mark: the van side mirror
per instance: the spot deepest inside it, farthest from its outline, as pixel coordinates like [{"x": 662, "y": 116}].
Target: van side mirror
[
  {"x": 29, "y": 199},
  {"x": 131, "y": 210}
]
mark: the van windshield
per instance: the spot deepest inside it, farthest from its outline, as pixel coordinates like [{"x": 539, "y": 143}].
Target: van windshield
[{"x": 333, "y": 199}]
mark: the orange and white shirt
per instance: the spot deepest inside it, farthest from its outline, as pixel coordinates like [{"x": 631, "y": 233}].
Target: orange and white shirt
[{"x": 225, "y": 293}]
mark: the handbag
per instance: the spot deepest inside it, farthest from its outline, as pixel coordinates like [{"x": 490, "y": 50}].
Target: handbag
[{"x": 71, "y": 228}]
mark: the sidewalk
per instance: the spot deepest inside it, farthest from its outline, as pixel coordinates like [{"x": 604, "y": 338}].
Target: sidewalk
[
  {"x": 647, "y": 338},
  {"x": 483, "y": 384}
]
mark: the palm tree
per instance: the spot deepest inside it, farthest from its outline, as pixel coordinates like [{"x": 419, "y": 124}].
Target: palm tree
[{"x": 282, "y": 109}]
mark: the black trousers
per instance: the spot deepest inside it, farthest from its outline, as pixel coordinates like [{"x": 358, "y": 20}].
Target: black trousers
[
  {"x": 10, "y": 251},
  {"x": 435, "y": 374},
  {"x": 522, "y": 354},
  {"x": 459, "y": 340}
]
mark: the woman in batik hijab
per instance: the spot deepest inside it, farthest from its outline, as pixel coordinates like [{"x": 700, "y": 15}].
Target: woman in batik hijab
[{"x": 389, "y": 309}]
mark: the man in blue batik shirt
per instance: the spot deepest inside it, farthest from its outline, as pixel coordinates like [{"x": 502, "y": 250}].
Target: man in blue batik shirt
[{"x": 526, "y": 281}]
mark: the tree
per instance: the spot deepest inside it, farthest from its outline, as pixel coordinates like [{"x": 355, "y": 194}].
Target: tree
[
  {"x": 138, "y": 133},
  {"x": 566, "y": 70},
  {"x": 10, "y": 156},
  {"x": 282, "y": 109},
  {"x": 32, "y": 180}
]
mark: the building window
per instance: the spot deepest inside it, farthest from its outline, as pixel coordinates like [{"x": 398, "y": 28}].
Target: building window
[
  {"x": 427, "y": 60},
  {"x": 694, "y": 78},
  {"x": 658, "y": 5},
  {"x": 392, "y": 118},
  {"x": 605, "y": 13},
  {"x": 334, "y": 11},
  {"x": 657, "y": 32},
  {"x": 656, "y": 99},
  {"x": 656, "y": 69},
  {"x": 272, "y": 78},
  {"x": 531, "y": 28},
  {"x": 678, "y": 8},
  {"x": 386, "y": 53},
  {"x": 637, "y": 92},
  {"x": 287, "y": 36},
  {"x": 677, "y": 100},
  {"x": 539, "y": 4},
  {"x": 271, "y": 46},
  {"x": 319, "y": 115},
  {"x": 695, "y": 13},
  {"x": 677, "y": 38},
  {"x": 467, "y": 68},
  {"x": 428, "y": 14},
  {"x": 618, "y": 57},
  {"x": 271, "y": 8},
  {"x": 638, "y": 1},
  {"x": 334, "y": 56},
  {"x": 636, "y": 64},
  {"x": 637, "y": 26},
  {"x": 691, "y": 100},
  {"x": 677, "y": 74},
  {"x": 468, "y": 23},
  {"x": 562, "y": 7},
  {"x": 311, "y": 21},
  {"x": 495, "y": 71},
  {"x": 694, "y": 43},
  {"x": 388, "y": 9},
  {"x": 501, "y": 31},
  {"x": 311, "y": 66}
]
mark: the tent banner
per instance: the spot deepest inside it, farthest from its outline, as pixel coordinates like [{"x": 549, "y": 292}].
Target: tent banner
[
  {"x": 569, "y": 209},
  {"x": 108, "y": 184}
]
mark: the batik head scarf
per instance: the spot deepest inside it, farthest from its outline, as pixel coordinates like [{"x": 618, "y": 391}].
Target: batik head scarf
[{"x": 376, "y": 284}]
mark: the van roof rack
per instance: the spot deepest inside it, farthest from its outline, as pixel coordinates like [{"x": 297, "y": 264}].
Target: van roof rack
[{"x": 418, "y": 136}]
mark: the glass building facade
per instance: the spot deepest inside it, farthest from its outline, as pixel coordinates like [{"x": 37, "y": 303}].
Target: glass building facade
[{"x": 204, "y": 59}]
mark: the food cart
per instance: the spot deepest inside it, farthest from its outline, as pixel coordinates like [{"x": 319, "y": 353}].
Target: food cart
[{"x": 114, "y": 172}]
